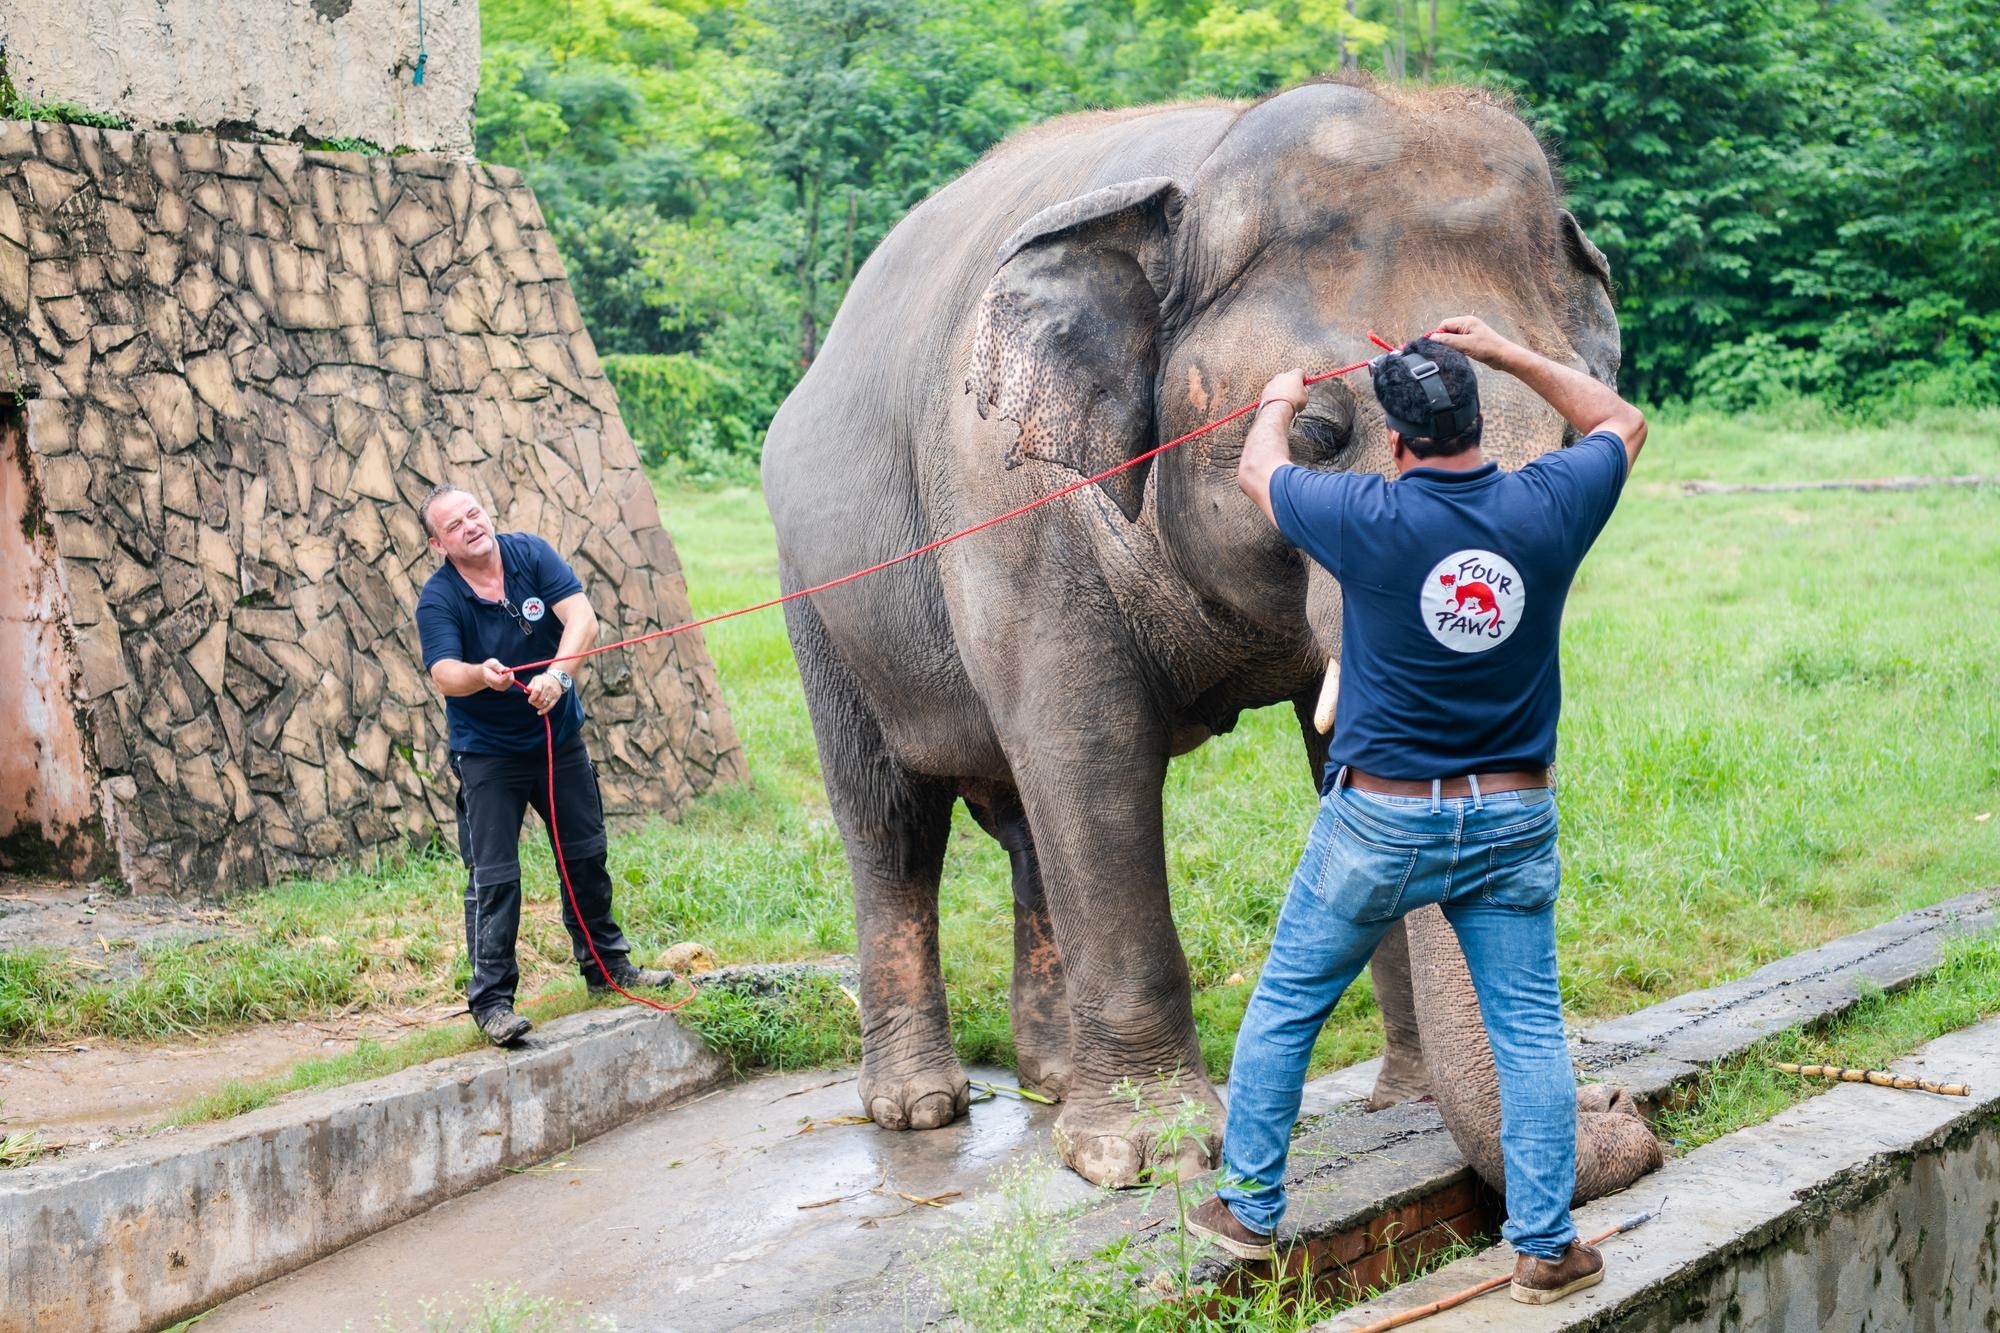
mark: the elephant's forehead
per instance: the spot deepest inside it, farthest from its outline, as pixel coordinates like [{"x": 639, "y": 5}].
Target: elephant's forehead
[{"x": 1341, "y": 185}]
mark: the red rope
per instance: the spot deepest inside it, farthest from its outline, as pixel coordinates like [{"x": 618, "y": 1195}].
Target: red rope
[
  {"x": 548, "y": 733},
  {"x": 562, "y": 866}
]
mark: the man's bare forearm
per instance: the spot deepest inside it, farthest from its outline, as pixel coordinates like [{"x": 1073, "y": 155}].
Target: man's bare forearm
[
  {"x": 1265, "y": 450},
  {"x": 456, "y": 679},
  {"x": 1580, "y": 400},
  {"x": 579, "y": 634},
  {"x": 1585, "y": 404},
  {"x": 1267, "y": 447}
]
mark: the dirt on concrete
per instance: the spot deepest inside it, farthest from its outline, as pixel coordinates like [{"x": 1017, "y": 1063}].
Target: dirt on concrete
[{"x": 91, "y": 1093}]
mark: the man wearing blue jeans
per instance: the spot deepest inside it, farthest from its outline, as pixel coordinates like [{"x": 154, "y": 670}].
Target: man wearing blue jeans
[{"x": 1453, "y": 578}]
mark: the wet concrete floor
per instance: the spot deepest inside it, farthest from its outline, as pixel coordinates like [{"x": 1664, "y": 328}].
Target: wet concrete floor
[{"x": 690, "y": 1219}]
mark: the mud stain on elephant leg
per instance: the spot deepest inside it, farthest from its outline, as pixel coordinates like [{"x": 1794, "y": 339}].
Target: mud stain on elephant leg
[
  {"x": 1039, "y": 1004},
  {"x": 910, "y": 1076},
  {"x": 903, "y": 960}
]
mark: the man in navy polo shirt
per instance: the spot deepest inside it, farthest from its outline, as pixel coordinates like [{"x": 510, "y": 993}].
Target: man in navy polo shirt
[
  {"x": 501, "y": 599},
  {"x": 1453, "y": 577}
]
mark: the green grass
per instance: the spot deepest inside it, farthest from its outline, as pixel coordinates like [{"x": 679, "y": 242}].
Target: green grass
[
  {"x": 1746, "y": 1091},
  {"x": 1780, "y": 726},
  {"x": 368, "y": 1059},
  {"x": 507, "y": 1310}
]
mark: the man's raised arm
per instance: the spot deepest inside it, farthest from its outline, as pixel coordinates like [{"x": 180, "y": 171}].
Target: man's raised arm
[
  {"x": 1580, "y": 400},
  {"x": 1266, "y": 447}
]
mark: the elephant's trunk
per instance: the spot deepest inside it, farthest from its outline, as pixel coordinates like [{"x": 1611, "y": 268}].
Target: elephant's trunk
[{"x": 1614, "y": 1145}]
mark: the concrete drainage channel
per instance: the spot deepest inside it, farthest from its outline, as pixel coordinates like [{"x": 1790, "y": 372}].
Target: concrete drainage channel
[{"x": 146, "y": 1233}]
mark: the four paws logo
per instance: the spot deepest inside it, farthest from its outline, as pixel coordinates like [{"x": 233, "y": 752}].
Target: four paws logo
[{"x": 1472, "y": 600}]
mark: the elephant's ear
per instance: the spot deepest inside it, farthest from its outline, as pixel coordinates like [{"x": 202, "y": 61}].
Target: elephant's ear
[
  {"x": 1589, "y": 320},
  {"x": 1066, "y": 345}
]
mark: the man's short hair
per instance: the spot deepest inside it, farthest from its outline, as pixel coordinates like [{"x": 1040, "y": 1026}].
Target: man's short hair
[
  {"x": 1406, "y": 404},
  {"x": 436, "y": 493}
]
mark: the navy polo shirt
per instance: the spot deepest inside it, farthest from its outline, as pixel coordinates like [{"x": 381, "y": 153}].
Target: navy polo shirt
[
  {"x": 457, "y": 624},
  {"x": 1452, "y": 589}
]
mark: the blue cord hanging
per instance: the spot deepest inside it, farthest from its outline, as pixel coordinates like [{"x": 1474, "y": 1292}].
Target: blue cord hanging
[{"x": 423, "y": 56}]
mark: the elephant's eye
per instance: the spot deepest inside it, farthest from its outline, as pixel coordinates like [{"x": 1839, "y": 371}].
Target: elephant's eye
[{"x": 1318, "y": 439}]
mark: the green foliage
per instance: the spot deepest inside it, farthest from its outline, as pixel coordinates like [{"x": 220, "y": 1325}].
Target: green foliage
[
  {"x": 689, "y": 414},
  {"x": 20, "y": 1148},
  {"x": 13, "y": 106},
  {"x": 794, "y": 1023},
  {"x": 1796, "y": 198}
]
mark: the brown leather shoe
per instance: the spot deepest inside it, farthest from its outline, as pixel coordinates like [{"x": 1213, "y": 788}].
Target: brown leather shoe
[
  {"x": 1545, "y": 1281},
  {"x": 1214, "y": 1220}
]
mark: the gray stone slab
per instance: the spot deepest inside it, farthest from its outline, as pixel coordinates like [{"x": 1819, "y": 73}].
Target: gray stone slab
[
  {"x": 697, "y": 1218},
  {"x": 143, "y": 1234},
  {"x": 1864, "y": 1207}
]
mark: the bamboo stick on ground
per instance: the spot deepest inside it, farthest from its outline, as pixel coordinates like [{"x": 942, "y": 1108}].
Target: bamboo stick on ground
[{"x": 1881, "y": 1078}]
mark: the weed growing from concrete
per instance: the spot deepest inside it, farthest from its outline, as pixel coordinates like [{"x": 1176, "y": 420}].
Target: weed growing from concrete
[
  {"x": 19, "y": 1148},
  {"x": 1026, "y": 1271},
  {"x": 508, "y": 1310}
]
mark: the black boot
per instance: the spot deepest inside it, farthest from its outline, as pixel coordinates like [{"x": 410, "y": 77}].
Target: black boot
[
  {"x": 502, "y": 1026},
  {"x": 633, "y": 978}
]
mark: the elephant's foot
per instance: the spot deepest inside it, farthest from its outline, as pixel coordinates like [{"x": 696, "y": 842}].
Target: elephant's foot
[
  {"x": 1403, "y": 1078},
  {"x": 918, "y": 1096},
  {"x": 1176, "y": 1129},
  {"x": 1614, "y": 1144}
]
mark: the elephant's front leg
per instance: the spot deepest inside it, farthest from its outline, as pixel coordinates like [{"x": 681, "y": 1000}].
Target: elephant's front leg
[
  {"x": 910, "y": 1076},
  {"x": 1095, "y": 809},
  {"x": 895, "y": 825}
]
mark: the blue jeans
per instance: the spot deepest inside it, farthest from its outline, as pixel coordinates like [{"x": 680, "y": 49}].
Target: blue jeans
[{"x": 1491, "y": 863}]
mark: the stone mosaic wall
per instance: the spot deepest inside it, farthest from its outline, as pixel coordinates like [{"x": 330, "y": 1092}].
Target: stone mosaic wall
[{"x": 242, "y": 364}]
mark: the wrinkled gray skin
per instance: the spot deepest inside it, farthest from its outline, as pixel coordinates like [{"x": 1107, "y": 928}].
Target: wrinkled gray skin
[{"x": 1092, "y": 288}]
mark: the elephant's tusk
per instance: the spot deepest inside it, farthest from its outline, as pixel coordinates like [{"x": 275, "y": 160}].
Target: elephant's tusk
[{"x": 1329, "y": 694}]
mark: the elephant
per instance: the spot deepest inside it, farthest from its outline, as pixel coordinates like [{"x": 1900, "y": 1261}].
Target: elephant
[{"x": 1091, "y": 288}]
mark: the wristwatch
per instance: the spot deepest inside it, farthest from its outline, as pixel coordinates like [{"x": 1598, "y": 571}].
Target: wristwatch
[{"x": 563, "y": 679}]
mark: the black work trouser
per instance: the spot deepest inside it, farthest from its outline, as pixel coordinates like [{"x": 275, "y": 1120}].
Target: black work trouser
[{"x": 494, "y": 794}]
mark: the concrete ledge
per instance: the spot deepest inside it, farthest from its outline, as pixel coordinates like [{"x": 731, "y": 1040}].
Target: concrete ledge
[
  {"x": 1863, "y": 1208},
  {"x": 1656, "y": 1048},
  {"x": 153, "y": 1231}
]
